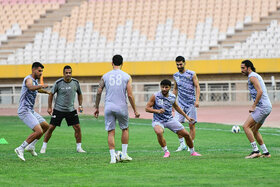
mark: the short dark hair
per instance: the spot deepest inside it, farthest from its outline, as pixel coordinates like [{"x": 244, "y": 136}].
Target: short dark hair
[
  {"x": 117, "y": 60},
  {"x": 37, "y": 64},
  {"x": 248, "y": 63},
  {"x": 180, "y": 58},
  {"x": 165, "y": 82},
  {"x": 66, "y": 67}
]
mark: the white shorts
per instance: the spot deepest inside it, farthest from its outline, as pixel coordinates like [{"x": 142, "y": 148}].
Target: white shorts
[
  {"x": 111, "y": 116},
  {"x": 260, "y": 114},
  {"x": 31, "y": 118},
  {"x": 174, "y": 125},
  {"x": 191, "y": 112}
]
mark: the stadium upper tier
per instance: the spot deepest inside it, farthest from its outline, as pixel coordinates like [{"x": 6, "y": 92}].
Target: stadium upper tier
[{"x": 58, "y": 31}]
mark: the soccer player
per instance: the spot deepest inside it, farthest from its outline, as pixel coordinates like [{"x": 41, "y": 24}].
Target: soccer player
[
  {"x": 26, "y": 112},
  {"x": 186, "y": 87},
  {"x": 66, "y": 89},
  {"x": 260, "y": 109},
  {"x": 118, "y": 86},
  {"x": 161, "y": 104}
]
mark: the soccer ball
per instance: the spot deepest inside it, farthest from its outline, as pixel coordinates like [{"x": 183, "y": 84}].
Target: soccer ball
[
  {"x": 235, "y": 129},
  {"x": 118, "y": 156}
]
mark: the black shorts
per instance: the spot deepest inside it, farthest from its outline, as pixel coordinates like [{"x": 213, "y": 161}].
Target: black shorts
[{"x": 72, "y": 118}]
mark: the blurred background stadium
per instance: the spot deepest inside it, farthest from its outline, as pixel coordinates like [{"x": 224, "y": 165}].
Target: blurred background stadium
[{"x": 213, "y": 35}]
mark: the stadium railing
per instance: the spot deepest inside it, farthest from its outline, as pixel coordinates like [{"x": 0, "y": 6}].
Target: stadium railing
[{"x": 212, "y": 93}]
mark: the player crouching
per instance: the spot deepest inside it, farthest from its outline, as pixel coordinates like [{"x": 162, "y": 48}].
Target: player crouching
[{"x": 161, "y": 104}]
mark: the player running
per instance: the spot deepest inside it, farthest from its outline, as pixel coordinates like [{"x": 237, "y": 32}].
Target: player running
[
  {"x": 260, "y": 109},
  {"x": 161, "y": 104},
  {"x": 26, "y": 113},
  {"x": 65, "y": 89},
  {"x": 117, "y": 84},
  {"x": 186, "y": 87}
]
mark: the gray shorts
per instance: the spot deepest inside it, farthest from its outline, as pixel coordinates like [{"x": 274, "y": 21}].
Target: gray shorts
[
  {"x": 112, "y": 115},
  {"x": 260, "y": 114},
  {"x": 174, "y": 125},
  {"x": 191, "y": 112},
  {"x": 31, "y": 118}
]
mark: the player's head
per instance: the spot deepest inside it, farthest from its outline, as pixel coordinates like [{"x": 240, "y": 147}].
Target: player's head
[
  {"x": 165, "y": 86},
  {"x": 180, "y": 63},
  {"x": 117, "y": 60},
  {"x": 246, "y": 67},
  {"x": 67, "y": 73},
  {"x": 37, "y": 70}
]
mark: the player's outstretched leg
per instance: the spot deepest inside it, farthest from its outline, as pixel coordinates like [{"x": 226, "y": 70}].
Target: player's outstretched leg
[
  {"x": 159, "y": 132},
  {"x": 33, "y": 138},
  {"x": 31, "y": 147},
  {"x": 189, "y": 141}
]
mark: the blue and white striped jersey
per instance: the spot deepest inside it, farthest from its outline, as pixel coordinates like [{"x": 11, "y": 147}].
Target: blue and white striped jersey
[
  {"x": 186, "y": 88},
  {"x": 166, "y": 103}
]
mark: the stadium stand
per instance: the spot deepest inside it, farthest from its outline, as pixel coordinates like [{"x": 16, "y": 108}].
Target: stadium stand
[{"x": 59, "y": 31}]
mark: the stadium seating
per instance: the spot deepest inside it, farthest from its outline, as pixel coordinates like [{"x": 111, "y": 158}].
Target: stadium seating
[{"x": 141, "y": 30}]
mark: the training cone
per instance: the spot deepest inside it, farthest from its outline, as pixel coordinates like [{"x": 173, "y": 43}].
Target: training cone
[{"x": 3, "y": 141}]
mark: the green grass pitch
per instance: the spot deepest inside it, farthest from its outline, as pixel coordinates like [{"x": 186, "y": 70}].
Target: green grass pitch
[{"x": 222, "y": 163}]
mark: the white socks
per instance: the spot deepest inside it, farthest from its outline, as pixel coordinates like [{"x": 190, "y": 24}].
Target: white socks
[
  {"x": 79, "y": 145},
  {"x": 113, "y": 154},
  {"x": 33, "y": 143},
  {"x": 124, "y": 149},
  {"x": 254, "y": 146},
  {"x": 165, "y": 149},
  {"x": 182, "y": 141},
  {"x": 264, "y": 149},
  {"x": 23, "y": 145},
  {"x": 44, "y": 145},
  {"x": 191, "y": 150}
]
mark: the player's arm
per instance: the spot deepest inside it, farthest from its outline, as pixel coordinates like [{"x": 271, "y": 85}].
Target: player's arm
[
  {"x": 80, "y": 101},
  {"x": 31, "y": 87},
  {"x": 44, "y": 91},
  {"x": 50, "y": 99},
  {"x": 178, "y": 109},
  {"x": 197, "y": 90},
  {"x": 98, "y": 97},
  {"x": 257, "y": 86},
  {"x": 149, "y": 107},
  {"x": 80, "y": 98},
  {"x": 175, "y": 89},
  {"x": 131, "y": 98}
]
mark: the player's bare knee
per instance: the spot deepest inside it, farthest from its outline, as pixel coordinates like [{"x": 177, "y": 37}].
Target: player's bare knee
[
  {"x": 77, "y": 128},
  {"x": 159, "y": 132},
  {"x": 183, "y": 133}
]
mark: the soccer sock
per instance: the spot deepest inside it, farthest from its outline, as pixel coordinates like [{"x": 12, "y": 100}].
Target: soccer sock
[
  {"x": 79, "y": 145},
  {"x": 264, "y": 149},
  {"x": 165, "y": 149},
  {"x": 23, "y": 145},
  {"x": 45, "y": 145},
  {"x": 34, "y": 142},
  {"x": 182, "y": 141},
  {"x": 124, "y": 149},
  {"x": 112, "y": 153},
  {"x": 191, "y": 150},
  {"x": 254, "y": 146}
]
